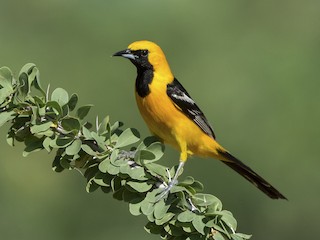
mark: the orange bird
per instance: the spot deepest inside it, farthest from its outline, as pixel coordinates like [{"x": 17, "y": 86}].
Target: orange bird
[{"x": 174, "y": 117}]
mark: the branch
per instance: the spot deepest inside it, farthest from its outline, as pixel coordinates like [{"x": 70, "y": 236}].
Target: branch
[{"x": 101, "y": 154}]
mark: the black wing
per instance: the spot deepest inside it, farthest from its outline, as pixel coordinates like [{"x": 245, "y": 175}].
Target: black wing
[{"x": 185, "y": 103}]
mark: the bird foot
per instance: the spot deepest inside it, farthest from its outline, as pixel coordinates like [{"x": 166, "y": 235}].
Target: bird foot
[
  {"x": 193, "y": 208},
  {"x": 127, "y": 154},
  {"x": 166, "y": 190},
  {"x": 172, "y": 182}
]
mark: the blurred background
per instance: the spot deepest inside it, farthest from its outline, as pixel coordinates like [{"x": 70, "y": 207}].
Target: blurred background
[{"x": 252, "y": 67}]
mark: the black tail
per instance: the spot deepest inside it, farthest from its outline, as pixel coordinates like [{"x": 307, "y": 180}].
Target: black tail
[{"x": 251, "y": 176}]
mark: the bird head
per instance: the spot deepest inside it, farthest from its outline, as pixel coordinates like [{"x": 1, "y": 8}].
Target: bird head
[{"x": 145, "y": 55}]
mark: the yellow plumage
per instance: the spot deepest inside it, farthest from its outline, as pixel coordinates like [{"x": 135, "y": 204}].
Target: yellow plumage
[{"x": 173, "y": 116}]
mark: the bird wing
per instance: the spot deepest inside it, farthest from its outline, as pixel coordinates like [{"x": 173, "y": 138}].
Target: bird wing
[{"x": 187, "y": 105}]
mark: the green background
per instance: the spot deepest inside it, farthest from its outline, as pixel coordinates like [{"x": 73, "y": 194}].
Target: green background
[{"x": 252, "y": 67}]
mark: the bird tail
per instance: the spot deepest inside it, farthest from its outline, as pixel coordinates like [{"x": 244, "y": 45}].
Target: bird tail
[{"x": 250, "y": 175}]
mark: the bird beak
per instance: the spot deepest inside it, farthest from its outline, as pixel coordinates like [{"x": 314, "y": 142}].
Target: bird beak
[{"x": 125, "y": 53}]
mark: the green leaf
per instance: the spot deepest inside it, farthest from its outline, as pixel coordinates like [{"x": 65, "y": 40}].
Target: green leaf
[
  {"x": 175, "y": 231},
  {"x": 144, "y": 156},
  {"x": 6, "y": 116},
  {"x": 116, "y": 126},
  {"x": 46, "y": 144},
  {"x": 105, "y": 189},
  {"x": 61, "y": 141},
  {"x": 186, "y": 216},
  {"x": 240, "y": 236},
  {"x": 147, "y": 142},
  {"x": 27, "y": 68},
  {"x": 103, "y": 179},
  {"x": 139, "y": 186},
  {"x": 151, "y": 218},
  {"x": 137, "y": 173},
  {"x": 91, "y": 171},
  {"x": 56, "y": 108},
  {"x": 132, "y": 197},
  {"x": 99, "y": 140},
  {"x": 116, "y": 184},
  {"x": 217, "y": 236},
  {"x": 56, "y": 166},
  {"x": 157, "y": 148},
  {"x": 24, "y": 81},
  {"x": 152, "y": 196},
  {"x": 86, "y": 133},
  {"x": 103, "y": 127},
  {"x": 134, "y": 209},
  {"x": 41, "y": 127},
  {"x": 114, "y": 156},
  {"x": 151, "y": 227},
  {"x": 70, "y": 124},
  {"x": 6, "y": 77},
  {"x": 30, "y": 74},
  {"x": 147, "y": 207},
  {"x": 176, "y": 189},
  {"x": 88, "y": 150},
  {"x": 6, "y": 82},
  {"x": 101, "y": 182},
  {"x": 60, "y": 96},
  {"x": 120, "y": 162},
  {"x": 156, "y": 169},
  {"x": 197, "y": 186},
  {"x": 83, "y": 111},
  {"x": 127, "y": 137},
  {"x": 74, "y": 148},
  {"x": 228, "y": 218},
  {"x": 10, "y": 137},
  {"x": 118, "y": 194},
  {"x": 33, "y": 144},
  {"x": 187, "y": 181},
  {"x": 151, "y": 144},
  {"x": 65, "y": 110},
  {"x": 160, "y": 209},
  {"x": 91, "y": 186},
  {"x": 113, "y": 170},
  {"x": 104, "y": 165},
  {"x": 73, "y": 101},
  {"x": 167, "y": 217},
  {"x": 187, "y": 227},
  {"x": 124, "y": 169},
  {"x": 201, "y": 199},
  {"x": 4, "y": 96},
  {"x": 65, "y": 162},
  {"x": 40, "y": 102},
  {"x": 36, "y": 80},
  {"x": 198, "y": 224}
]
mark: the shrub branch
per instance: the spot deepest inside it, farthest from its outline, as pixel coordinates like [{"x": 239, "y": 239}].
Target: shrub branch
[{"x": 53, "y": 122}]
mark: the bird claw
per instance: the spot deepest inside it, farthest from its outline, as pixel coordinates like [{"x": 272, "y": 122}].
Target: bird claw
[
  {"x": 172, "y": 181},
  {"x": 167, "y": 186},
  {"x": 166, "y": 190},
  {"x": 193, "y": 208},
  {"x": 127, "y": 154}
]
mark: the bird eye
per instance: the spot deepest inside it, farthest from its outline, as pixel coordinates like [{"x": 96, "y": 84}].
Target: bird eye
[{"x": 144, "y": 53}]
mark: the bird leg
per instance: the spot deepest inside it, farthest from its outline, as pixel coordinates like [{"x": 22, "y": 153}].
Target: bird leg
[
  {"x": 193, "y": 208},
  {"x": 172, "y": 182},
  {"x": 127, "y": 154}
]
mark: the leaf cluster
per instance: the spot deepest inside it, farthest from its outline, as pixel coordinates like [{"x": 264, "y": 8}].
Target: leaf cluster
[{"x": 53, "y": 122}]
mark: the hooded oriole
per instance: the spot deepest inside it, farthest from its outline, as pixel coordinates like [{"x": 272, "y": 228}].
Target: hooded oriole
[{"x": 173, "y": 116}]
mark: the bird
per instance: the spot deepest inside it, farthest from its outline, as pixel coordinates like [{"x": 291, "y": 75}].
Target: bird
[{"x": 174, "y": 117}]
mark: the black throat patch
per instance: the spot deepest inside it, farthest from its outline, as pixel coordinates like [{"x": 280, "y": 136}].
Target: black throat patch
[
  {"x": 144, "y": 71},
  {"x": 143, "y": 80}
]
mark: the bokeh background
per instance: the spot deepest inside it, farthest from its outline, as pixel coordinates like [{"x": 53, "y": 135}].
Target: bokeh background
[{"x": 252, "y": 66}]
